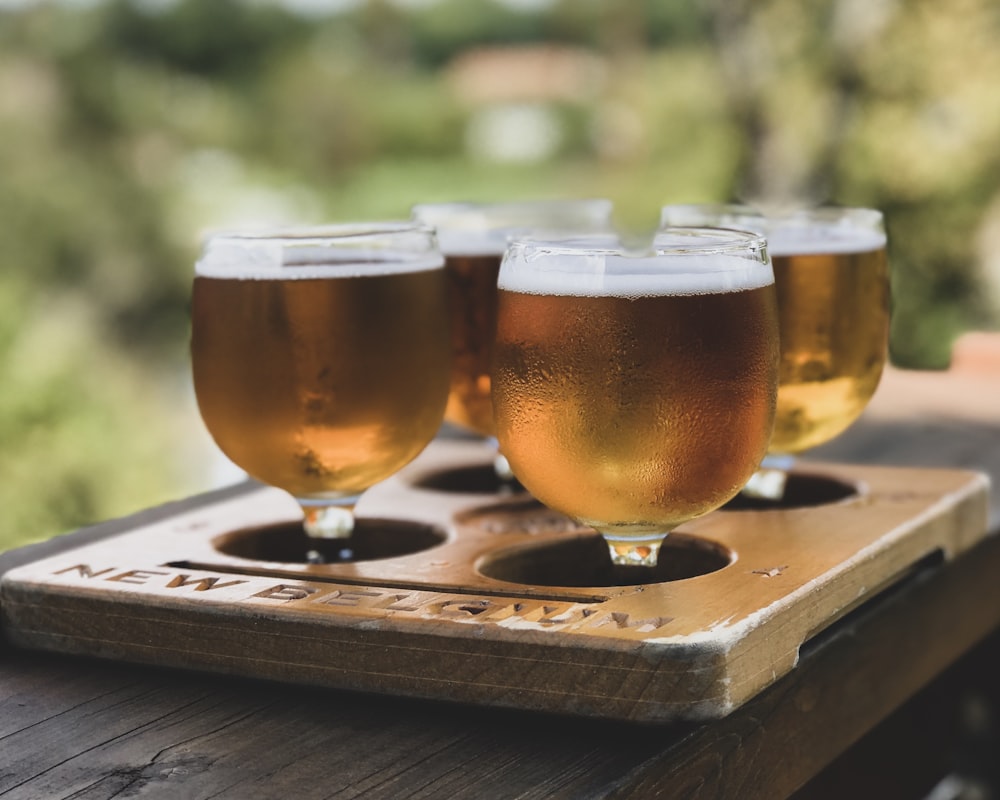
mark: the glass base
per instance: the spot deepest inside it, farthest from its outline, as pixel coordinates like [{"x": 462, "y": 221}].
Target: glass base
[
  {"x": 502, "y": 468},
  {"x": 328, "y": 519},
  {"x": 635, "y": 552},
  {"x": 770, "y": 479}
]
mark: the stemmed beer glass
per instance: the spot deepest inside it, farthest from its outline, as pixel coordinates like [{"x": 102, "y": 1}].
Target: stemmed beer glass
[
  {"x": 473, "y": 237},
  {"x": 636, "y": 392},
  {"x": 320, "y": 357},
  {"x": 832, "y": 281}
]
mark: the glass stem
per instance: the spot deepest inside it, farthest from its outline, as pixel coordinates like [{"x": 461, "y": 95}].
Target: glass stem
[
  {"x": 501, "y": 466},
  {"x": 328, "y": 519},
  {"x": 771, "y": 478},
  {"x": 635, "y": 552}
]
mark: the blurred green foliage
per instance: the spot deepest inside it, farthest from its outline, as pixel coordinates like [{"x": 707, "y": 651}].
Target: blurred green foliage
[{"x": 131, "y": 126}]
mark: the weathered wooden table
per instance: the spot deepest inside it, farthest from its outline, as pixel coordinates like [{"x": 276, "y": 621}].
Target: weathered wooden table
[{"x": 888, "y": 702}]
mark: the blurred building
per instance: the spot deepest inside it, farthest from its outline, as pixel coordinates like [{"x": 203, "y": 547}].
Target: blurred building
[{"x": 517, "y": 96}]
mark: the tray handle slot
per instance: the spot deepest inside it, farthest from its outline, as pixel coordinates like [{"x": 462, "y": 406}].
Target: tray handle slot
[
  {"x": 842, "y": 623},
  {"x": 315, "y": 576}
]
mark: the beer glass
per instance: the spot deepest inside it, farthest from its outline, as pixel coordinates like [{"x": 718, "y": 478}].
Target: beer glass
[
  {"x": 716, "y": 215},
  {"x": 634, "y": 393},
  {"x": 473, "y": 237},
  {"x": 320, "y": 357},
  {"x": 832, "y": 280}
]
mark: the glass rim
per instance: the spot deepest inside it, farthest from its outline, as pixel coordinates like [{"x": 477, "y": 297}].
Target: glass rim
[
  {"x": 860, "y": 214},
  {"x": 319, "y": 233},
  {"x": 734, "y": 209},
  {"x": 705, "y": 240},
  {"x": 320, "y": 251},
  {"x": 483, "y": 229},
  {"x": 479, "y": 207},
  {"x": 777, "y": 214}
]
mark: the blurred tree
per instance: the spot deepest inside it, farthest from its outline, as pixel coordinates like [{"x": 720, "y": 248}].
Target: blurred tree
[
  {"x": 129, "y": 126},
  {"x": 89, "y": 287},
  {"x": 890, "y": 104},
  {"x": 222, "y": 39},
  {"x": 445, "y": 28},
  {"x": 924, "y": 145}
]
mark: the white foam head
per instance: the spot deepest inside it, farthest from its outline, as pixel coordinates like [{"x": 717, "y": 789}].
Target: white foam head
[
  {"x": 806, "y": 231},
  {"x": 807, "y": 238},
  {"x": 484, "y": 229},
  {"x": 341, "y": 251},
  {"x": 689, "y": 262},
  {"x": 716, "y": 215}
]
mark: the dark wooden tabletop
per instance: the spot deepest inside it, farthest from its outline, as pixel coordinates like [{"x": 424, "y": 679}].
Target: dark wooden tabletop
[{"x": 883, "y": 704}]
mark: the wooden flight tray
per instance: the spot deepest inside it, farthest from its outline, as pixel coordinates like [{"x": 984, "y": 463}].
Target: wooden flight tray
[{"x": 482, "y": 597}]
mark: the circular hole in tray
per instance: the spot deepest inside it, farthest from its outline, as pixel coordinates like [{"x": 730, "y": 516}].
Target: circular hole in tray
[
  {"x": 372, "y": 539},
  {"x": 584, "y": 561},
  {"x": 470, "y": 479},
  {"x": 802, "y": 490}
]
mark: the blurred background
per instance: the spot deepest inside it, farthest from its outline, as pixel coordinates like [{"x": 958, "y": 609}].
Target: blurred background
[{"x": 129, "y": 127}]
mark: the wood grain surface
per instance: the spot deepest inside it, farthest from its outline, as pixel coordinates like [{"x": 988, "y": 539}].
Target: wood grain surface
[
  {"x": 896, "y": 672},
  {"x": 73, "y": 727},
  {"x": 438, "y": 624}
]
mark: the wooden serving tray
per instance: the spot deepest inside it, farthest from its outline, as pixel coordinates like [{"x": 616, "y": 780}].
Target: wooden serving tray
[{"x": 489, "y": 598}]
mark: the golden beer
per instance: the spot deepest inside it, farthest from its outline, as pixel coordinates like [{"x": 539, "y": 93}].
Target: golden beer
[
  {"x": 831, "y": 275},
  {"x": 636, "y": 401},
  {"x": 833, "y": 310},
  {"x": 472, "y": 299},
  {"x": 318, "y": 377},
  {"x": 473, "y": 237}
]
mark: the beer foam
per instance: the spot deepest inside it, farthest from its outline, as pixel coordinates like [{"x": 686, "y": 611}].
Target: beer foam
[
  {"x": 237, "y": 259},
  {"x": 473, "y": 243},
  {"x": 615, "y": 275},
  {"x": 470, "y": 229},
  {"x": 790, "y": 240}
]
